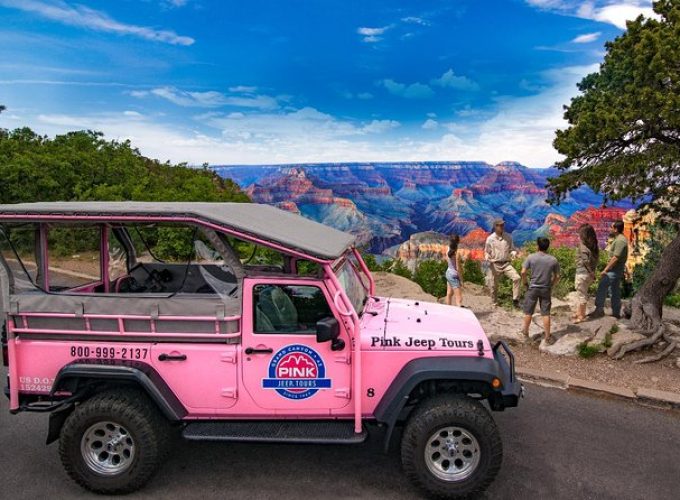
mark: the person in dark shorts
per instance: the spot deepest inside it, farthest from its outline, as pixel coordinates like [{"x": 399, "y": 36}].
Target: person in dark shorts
[{"x": 545, "y": 273}]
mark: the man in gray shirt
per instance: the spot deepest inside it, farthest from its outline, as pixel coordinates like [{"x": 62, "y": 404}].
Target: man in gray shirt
[{"x": 545, "y": 273}]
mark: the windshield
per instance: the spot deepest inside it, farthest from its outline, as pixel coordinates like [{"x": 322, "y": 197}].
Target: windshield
[{"x": 353, "y": 282}]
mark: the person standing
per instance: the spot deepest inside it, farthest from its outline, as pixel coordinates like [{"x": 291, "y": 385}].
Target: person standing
[
  {"x": 612, "y": 274},
  {"x": 498, "y": 251},
  {"x": 545, "y": 273},
  {"x": 587, "y": 257},
  {"x": 454, "y": 279}
]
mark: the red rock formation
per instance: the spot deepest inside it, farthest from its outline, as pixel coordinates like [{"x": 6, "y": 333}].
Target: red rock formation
[{"x": 564, "y": 232}]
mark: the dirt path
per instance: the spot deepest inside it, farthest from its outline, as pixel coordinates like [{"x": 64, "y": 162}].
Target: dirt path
[{"x": 664, "y": 375}]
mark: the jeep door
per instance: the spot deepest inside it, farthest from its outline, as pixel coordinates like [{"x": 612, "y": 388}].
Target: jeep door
[{"x": 284, "y": 367}]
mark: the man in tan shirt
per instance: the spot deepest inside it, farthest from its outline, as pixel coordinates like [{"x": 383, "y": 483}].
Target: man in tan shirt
[{"x": 498, "y": 252}]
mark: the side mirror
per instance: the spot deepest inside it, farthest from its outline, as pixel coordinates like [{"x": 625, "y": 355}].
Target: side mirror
[{"x": 328, "y": 329}]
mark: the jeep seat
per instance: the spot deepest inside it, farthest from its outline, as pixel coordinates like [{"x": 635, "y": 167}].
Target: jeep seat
[{"x": 275, "y": 304}]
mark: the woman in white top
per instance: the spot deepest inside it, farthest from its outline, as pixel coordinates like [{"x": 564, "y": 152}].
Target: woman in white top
[{"x": 454, "y": 279}]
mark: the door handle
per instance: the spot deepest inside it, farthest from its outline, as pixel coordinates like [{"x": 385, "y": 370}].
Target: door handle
[
  {"x": 252, "y": 350},
  {"x": 172, "y": 357}
]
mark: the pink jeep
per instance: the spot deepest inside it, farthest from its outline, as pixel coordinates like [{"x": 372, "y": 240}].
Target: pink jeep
[{"x": 133, "y": 322}]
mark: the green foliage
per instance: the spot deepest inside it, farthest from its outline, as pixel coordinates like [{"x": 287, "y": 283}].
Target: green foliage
[
  {"x": 567, "y": 259},
  {"x": 386, "y": 265},
  {"x": 308, "y": 268},
  {"x": 672, "y": 300},
  {"x": 608, "y": 336},
  {"x": 622, "y": 138},
  {"x": 660, "y": 236},
  {"x": 430, "y": 275},
  {"x": 586, "y": 350},
  {"x": 472, "y": 272},
  {"x": 83, "y": 165},
  {"x": 505, "y": 286},
  {"x": 174, "y": 244},
  {"x": 400, "y": 269},
  {"x": 371, "y": 261}
]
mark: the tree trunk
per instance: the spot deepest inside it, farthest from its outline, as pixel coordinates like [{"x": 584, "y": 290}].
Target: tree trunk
[{"x": 646, "y": 306}]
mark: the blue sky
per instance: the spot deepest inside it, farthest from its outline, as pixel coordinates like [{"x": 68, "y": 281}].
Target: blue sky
[{"x": 282, "y": 81}]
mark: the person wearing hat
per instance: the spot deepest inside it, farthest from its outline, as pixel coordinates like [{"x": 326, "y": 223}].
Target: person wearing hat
[{"x": 498, "y": 252}]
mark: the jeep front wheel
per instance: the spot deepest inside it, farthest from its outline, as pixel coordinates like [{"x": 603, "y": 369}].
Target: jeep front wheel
[
  {"x": 113, "y": 442},
  {"x": 451, "y": 447}
]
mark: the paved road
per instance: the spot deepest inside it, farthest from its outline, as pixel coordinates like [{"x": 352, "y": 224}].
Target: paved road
[{"x": 558, "y": 445}]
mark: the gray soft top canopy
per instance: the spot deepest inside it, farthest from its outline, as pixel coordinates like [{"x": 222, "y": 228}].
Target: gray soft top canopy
[{"x": 261, "y": 221}]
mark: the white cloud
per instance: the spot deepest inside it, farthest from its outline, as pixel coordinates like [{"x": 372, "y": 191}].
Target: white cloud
[
  {"x": 364, "y": 96},
  {"x": 372, "y": 31},
  {"x": 380, "y": 126},
  {"x": 85, "y": 17},
  {"x": 586, "y": 38},
  {"x": 615, "y": 12},
  {"x": 430, "y": 124},
  {"x": 210, "y": 99},
  {"x": 415, "y": 20},
  {"x": 521, "y": 129},
  {"x": 372, "y": 35},
  {"x": 243, "y": 88},
  {"x": 451, "y": 80},
  {"x": 175, "y": 3},
  {"x": 409, "y": 91}
]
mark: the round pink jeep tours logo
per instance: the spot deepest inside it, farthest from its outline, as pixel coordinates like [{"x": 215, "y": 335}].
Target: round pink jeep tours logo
[{"x": 296, "y": 372}]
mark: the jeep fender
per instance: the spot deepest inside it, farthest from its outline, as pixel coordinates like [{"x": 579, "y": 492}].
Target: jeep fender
[
  {"x": 470, "y": 369},
  {"x": 77, "y": 374}
]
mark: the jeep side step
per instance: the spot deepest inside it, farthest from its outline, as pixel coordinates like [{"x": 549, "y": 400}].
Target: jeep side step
[{"x": 276, "y": 431}]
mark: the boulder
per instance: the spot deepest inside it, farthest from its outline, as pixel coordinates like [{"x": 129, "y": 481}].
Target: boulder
[
  {"x": 566, "y": 345},
  {"x": 599, "y": 328},
  {"x": 622, "y": 337},
  {"x": 571, "y": 299},
  {"x": 561, "y": 306}
]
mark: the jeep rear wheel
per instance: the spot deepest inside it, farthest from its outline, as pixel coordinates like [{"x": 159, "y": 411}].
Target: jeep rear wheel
[
  {"x": 451, "y": 447},
  {"x": 113, "y": 442}
]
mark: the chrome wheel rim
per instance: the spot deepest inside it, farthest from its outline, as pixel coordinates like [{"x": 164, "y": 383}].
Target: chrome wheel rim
[
  {"x": 452, "y": 453},
  {"x": 107, "y": 448}
]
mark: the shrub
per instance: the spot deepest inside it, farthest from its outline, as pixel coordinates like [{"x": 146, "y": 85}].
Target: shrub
[
  {"x": 472, "y": 272},
  {"x": 371, "y": 262},
  {"x": 660, "y": 235},
  {"x": 586, "y": 350},
  {"x": 672, "y": 300},
  {"x": 430, "y": 275},
  {"x": 399, "y": 268},
  {"x": 504, "y": 297}
]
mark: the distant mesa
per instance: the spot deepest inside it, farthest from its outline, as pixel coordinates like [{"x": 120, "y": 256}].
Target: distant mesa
[{"x": 417, "y": 204}]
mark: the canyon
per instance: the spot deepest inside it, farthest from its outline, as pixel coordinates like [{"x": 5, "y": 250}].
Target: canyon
[{"x": 409, "y": 208}]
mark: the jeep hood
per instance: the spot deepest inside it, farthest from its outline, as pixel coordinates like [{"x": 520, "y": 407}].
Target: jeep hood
[{"x": 400, "y": 324}]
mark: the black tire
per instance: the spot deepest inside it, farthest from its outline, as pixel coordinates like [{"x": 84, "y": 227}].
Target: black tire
[
  {"x": 439, "y": 413},
  {"x": 150, "y": 432}
]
